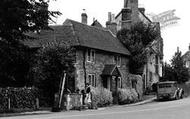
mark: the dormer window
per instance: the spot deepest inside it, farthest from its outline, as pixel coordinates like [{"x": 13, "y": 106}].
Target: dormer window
[{"x": 90, "y": 55}]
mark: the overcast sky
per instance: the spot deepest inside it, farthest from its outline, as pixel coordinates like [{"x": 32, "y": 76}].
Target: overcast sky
[{"x": 175, "y": 35}]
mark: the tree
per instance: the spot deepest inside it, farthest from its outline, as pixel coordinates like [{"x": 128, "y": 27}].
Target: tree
[
  {"x": 50, "y": 64},
  {"x": 136, "y": 40},
  {"x": 17, "y": 17},
  {"x": 181, "y": 74},
  {"x": 14, "y": 65},
  {"x": 168, "y": 73}
]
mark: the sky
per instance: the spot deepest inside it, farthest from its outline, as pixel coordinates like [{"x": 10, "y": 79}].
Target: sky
[{"x": 174, "y": 36}]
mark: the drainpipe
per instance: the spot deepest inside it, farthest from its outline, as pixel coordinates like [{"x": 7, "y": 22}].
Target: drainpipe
[{"x": 84, "y": 67}]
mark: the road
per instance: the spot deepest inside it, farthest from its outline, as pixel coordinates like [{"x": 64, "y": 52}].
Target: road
[{"x": 178, "y": 109}]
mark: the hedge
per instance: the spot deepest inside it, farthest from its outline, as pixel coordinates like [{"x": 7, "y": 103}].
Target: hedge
[
  {"x": 127, "y": 96},
  {"x": 101, "y": 97},
  {"x": 20, "y": 98}
]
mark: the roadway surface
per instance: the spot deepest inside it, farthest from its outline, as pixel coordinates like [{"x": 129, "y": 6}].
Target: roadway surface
[{"x": 177, "y": 109}]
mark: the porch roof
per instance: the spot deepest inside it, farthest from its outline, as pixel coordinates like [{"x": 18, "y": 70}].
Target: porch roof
[{"x": 111, "y": 70}]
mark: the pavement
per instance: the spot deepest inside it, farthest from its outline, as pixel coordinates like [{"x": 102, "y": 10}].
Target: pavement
[{"x": 149, "y": 99}]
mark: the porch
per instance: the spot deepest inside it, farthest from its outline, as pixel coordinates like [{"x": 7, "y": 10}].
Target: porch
[{"x": 111, "y": 78}]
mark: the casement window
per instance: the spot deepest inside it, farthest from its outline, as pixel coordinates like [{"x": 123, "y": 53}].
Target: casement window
[
  {"x": 92, "y": 79},
  {"x": 90, "y": 55},
  {"x": 117, "y": 60}
]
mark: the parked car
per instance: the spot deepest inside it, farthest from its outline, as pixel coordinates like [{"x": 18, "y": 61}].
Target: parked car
[{"x": 169, "y": 90}]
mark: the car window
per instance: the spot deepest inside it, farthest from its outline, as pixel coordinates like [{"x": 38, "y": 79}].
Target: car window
[{"x": 165, "y": 85}]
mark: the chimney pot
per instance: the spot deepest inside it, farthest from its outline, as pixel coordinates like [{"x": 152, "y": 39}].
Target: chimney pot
[
  {"x": 113, "y": 18},
  {"x": 94, "y": 19},
  {"x": 178, "y": 49},
  {"x": 109, "y": 16},
  {"x": 84, "y": 17},
  {"x": 142, "y": 10},
  {"x": 125, "y": 3}
]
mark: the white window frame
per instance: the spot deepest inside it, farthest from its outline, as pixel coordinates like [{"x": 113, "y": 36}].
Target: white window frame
[
  {"x": 92, "y": 79},
  {"x": 91, "y": 55}
]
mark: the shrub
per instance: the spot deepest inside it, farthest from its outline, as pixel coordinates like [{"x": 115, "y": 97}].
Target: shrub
[
  {"x": 20, "y": 98},
  {"x": 139, "y": 84},
  {"x": 126, "y": 96},
  {"x": 101, "y": 97}
]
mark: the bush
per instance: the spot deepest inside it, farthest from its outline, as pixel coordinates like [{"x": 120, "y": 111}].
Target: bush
[
  {"x": 101, "y": 97},
  {"x": 139, "y": 84},
  {"x": 20, "y": 98},
  {"x": 126, "y": 96}
]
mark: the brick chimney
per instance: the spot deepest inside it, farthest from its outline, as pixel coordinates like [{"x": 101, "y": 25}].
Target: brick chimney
[
  {"x": 177, "y": 49},
  {"x": 129, "y": 13},
  {"x": 84, "y": 17},
  {"x": 111, "y": 24},
  {"x": 125, "y": 3}
]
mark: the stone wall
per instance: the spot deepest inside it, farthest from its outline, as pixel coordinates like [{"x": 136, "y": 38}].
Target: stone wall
[{"x": 101, "y": 59}]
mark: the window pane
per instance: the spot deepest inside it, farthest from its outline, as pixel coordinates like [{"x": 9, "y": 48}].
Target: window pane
[
  {"x": 92, "y": 80},
  {"x": 88, "y": 55},
  {"x": 89, "y": 79}
]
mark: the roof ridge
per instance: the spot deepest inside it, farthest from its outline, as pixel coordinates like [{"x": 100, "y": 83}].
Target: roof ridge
[
  {"x": 103, "y": 29},
  {"x": 56, "y": 25}
]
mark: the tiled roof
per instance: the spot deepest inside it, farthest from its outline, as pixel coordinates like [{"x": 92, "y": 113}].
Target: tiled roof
[
  {"x": 111, "y": 70},
  {"x": 78, "y": 34},
  {"x": 59, "y": 34}
]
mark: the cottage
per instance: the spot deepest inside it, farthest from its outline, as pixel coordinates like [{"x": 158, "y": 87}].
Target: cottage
[{"x": 100, "y": 59}]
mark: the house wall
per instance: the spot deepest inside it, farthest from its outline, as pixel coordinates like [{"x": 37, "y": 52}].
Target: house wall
[
  {"x": 150, "y": 73},
  {"x": 186, "y": 59},
  {"x": 101, "y": 58}
]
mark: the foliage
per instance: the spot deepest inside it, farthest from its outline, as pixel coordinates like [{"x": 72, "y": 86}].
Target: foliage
[
  {"x": 180, "y": 71},
  {"x": 101, "y": 97},
  {"x": 14, "y": 66},
  {"x": 21, "y": 16},
  {"x": 50, "y": 65},
  {"x": 18, "y": 17},
  {"x": 136, "y": 40},
  {"x": 20, "y": 98},
  {"x": 168, "y": 73},
  {"x": 177, "y": 70},
  {"x": 127, "y": 96}
]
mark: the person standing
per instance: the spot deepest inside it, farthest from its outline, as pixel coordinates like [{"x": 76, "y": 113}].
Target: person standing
[{"x": 88, "y": 98}]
